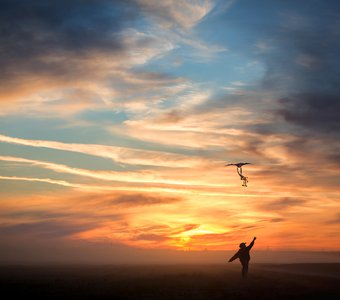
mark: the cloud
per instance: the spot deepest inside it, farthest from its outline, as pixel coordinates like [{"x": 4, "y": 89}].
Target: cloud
[
  {"x": 176, "y": 20},
  {"x": 123, "y": 199},
  {"x": 53, "y": 38},
  {"x": 335, "y": 220},
  {"x": 118, "y": 154},
  {"x": 317, "y": 112},
  {"x": 143, "y": 176},
  {"x": 182, "y": 13},
  {"x": 277, "y": 220},
  {"x": 307, "y": 74},
  {"x": 89, "y": 48},
  {"x": 150, "y": 237},
  {"x": 45, "y": 229},
  {"x": 180, "y": 189},
  {"x": 63, "y": 214},
  {"x": 142, "y": 199},
  {"x": 282, "y": 204},
  {"x": 166, "y": 230},
  {"x": 95, "y": 217},
  {"x": 184, "y": 228},
  {"x": 46, "y": 180},
  {"x": 103, "y": 213},
  {"x": 195, "y": 120},
  {"x": 77, "y": 56}
]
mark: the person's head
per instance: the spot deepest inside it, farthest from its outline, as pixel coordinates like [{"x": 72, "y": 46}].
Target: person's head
[{"x": 242, "y": 245}]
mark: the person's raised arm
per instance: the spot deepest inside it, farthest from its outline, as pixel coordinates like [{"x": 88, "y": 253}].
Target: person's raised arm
[
  {"x": 252, "y": 243},
  {"x": 233, "y": 257}
]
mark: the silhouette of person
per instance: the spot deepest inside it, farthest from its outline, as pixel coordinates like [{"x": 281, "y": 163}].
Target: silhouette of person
[{"x": 243, "y": 256}]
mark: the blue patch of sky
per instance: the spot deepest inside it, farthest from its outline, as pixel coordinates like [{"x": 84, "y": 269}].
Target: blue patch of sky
[
  {"x": 256, "y": 19},
  {"x": 29, "y": 127},
  {"x": 222, "y": 69},
  {"x": 103, "y": 116}
]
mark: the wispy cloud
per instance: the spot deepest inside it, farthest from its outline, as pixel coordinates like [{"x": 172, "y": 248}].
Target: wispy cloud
[
  {"x": 118, "y": 154},
  {"x": 46, "y": 229},
  {"x": 46, "y": 180},
  {"x": 149, "y": 176},
  {"x": 183, "y": 14},
  {"x": 283, "y": 204}
]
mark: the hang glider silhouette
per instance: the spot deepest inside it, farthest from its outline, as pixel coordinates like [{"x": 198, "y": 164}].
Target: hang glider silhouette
[{"x": 239, "y": 171}]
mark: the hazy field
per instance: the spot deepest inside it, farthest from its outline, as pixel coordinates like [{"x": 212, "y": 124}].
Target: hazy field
[{"x": 265, "y": 281}]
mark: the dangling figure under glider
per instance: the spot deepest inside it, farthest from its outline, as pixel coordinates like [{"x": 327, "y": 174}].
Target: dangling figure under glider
[{"x": 239, "y": 171}]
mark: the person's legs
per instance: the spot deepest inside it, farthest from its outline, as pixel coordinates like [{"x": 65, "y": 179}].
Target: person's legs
[{"x": 245, "y": 265}]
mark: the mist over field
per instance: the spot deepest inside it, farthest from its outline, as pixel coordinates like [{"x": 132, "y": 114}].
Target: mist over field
[
  {"x": 85, "y": 253},
  {"x": 297, "y": 281}
]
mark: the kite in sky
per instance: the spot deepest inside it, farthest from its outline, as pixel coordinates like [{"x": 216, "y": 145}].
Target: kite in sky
[{"x": 239, "y": 171}]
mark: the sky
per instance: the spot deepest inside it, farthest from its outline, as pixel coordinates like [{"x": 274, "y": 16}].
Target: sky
[{"x": 117, "y": 118}]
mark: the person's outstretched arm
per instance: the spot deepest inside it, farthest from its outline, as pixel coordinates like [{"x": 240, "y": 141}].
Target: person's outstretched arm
[
  {"x": 233, "y": 257},
  {"x": 252, "y": 243}
]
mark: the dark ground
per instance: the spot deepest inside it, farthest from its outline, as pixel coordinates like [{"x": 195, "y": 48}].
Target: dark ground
[{"x": 265, "y": 281}]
